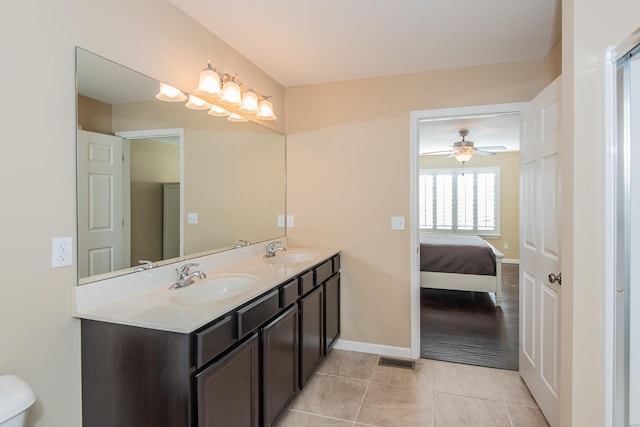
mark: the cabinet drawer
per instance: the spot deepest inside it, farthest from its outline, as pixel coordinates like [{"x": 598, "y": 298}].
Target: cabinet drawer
[
  {"x": 324, "y": 271},
  {"x": 258, "y": 312},
  {"x": 306, "y": 282},
  {"x": 214, "y": 340},
  {"x": 289, "y": 293},
  {"x": 336, "y": 263}
]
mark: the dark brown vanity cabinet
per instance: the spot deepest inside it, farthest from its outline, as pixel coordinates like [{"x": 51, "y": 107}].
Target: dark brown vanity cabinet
[
  {"x": 331, "y": 311},
  {"x": 279, "y": 340},
  {"x": 228, "y": 389},
  {"x": 311, "y": 332},
  {"x": 241, "y": 369}
]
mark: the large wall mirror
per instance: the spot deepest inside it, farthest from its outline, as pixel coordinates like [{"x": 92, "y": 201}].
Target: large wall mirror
[{"x": 161, "y": 182}]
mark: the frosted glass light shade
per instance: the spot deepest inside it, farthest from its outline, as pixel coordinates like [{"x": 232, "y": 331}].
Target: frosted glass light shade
[
  {"x": 266, "y": 110},
  {"x": 209, "y": 83},
  {"x": 249, "y": 102},
  {"x": 231, "y": 94},
  {"x": 233, "y": 117},
  {"x": 463, "y": 156},
  {"x": 170, "y": 94},
  {"x": 196, "y": 103},
  {"x": 218, "y": 111}
]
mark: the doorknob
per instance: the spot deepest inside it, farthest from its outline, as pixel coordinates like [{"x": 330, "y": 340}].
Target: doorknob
[{"x": 553, "y": 278}]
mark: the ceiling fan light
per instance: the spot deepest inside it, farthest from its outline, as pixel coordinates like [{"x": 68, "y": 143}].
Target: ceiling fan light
[
  {"x": 233, "y": 117},
  {"x": 266, "y": 110},
  {"x": 231, "y": 94},
  {"x": 209, "y": 83},
  {"x": 196, "y": 103},
  {"x": 170, "y": 94},
  {"x": 249, "y": 102},
  {"x": 218, "y": 111},
  {"x": 463, "y": 155}
]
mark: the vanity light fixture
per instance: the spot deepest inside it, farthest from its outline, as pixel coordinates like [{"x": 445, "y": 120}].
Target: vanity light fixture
[
  {"x": 224, "y": 89},
  {"x": 209, "y": 82},
  {"x": 196, "y": 103},
  {"x": 170, "y": 94},
  {"x": 218, "y": 111}
]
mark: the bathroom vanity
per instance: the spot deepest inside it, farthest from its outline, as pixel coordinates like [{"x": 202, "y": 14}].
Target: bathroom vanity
[{"x": 240, "y": 367}]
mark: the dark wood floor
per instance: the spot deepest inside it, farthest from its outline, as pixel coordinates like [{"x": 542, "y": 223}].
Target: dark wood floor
[{"x": 467, "y": 327}]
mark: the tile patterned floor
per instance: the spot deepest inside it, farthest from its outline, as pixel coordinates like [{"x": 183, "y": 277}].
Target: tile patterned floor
[{"x": 350, "y": 389}]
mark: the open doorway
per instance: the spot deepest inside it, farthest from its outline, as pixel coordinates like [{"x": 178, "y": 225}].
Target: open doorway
[{"x": 466, "y": 316}]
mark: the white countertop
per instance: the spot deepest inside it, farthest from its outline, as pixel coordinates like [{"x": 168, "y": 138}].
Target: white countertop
[{"x": 144, "y": 299}]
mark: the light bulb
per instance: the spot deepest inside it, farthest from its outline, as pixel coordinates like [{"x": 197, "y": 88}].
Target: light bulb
[
  {"x": 170, "y": 94},
  {"x": 266, "y": 110},
  {"x": 209, "y": 83},
  {"x": 196, "y": 103},
  {"x": 249, "y": 102},
  {"x": 218, "y": 111},
  {"x": 231, "y": 93}
]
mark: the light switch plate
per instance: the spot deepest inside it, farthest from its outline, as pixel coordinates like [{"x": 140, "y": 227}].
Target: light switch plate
[
  {"x": 290, "y": 221},
  {"x": 192, "y": 217},
  {"x": 280, "y": 220},
  {"x": 397, "y": 223},
  {"x": 61, "y": 252}
]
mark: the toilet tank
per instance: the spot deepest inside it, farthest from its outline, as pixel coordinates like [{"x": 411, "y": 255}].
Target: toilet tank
[{"x": 16, "y": 397}]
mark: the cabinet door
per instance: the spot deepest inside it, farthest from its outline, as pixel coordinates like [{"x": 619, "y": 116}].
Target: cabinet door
[
  {"x": 279, "y": 364},
  {"x": 331, "y": 312},
  {"x": 228, "y": 389},
  {"x": 311, "y": 334}
]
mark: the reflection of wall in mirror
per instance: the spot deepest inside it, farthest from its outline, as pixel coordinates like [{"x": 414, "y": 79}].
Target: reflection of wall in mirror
[
  {"x": 153, "y": 163},
  {"x": 233, "y": 173}
]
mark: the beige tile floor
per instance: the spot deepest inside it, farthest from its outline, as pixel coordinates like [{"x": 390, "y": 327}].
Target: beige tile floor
[{"x": 350, "y": 389}]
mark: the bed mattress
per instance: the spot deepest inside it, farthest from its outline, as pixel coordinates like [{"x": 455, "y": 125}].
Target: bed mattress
[{"x": 456, "y": 254}]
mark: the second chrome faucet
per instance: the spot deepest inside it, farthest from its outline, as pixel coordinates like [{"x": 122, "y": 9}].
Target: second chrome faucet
[
  {"x": 186, "y": 277},
  {"x": 274, "y": 247}
]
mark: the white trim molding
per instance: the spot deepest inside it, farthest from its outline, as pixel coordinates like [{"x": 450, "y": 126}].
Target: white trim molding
[
  {"x": 380, "y": 349},
  {"x": 510, "y": 261}
]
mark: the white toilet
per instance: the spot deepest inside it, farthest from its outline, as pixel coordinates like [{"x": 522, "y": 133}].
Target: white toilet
[{"x": 16, "y": 397}]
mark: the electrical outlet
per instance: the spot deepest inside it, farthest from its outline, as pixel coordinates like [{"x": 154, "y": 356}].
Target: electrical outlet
[
  {"x": 280, "y": 220},
  {"x": 290, "y": 221},
  {"x": 505, "y": 246},
  {"x": 61, "y": 252}
]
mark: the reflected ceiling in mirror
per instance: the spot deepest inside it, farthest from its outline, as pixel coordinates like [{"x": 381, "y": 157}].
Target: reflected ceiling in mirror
[{"x": 160, "y": 182}]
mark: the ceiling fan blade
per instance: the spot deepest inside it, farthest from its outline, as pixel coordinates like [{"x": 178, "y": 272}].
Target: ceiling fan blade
[
  {"x": 485, "y": 153},
  {"x": 492, "y": 148},
  {"x": 434, "y": 153}
]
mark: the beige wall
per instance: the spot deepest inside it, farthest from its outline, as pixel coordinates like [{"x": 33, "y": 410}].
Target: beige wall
[
  {"x": 553, "y": 63},
  {"x": 589, "y": 27},
  {"x": 40, "y": 341},
  {"x": 348, "y": 158},
  {"x": 94, "y": 116},
  {"x": 509, "y": 164}
]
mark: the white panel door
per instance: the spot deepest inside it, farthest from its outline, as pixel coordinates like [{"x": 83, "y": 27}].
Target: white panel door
[
  {"x": 540, "y": 250},
  {"x": 100, "y": 219}
]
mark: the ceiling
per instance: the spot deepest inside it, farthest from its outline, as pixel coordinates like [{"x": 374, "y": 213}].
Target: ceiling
[
  {"x": 303, "y": 42},
  {"x": 489, "y": 130}
]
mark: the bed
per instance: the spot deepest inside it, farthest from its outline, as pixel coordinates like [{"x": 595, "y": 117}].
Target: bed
[{"x": 460, "y": 262}]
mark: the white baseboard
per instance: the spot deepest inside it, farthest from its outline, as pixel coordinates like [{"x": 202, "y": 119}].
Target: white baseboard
[
  {"x": 510, "y": 261},
  {"x": 382, "y": 350}
]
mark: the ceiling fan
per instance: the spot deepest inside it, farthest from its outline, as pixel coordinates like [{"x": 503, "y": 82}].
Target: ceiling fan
[{"x": 464, "y": 150}]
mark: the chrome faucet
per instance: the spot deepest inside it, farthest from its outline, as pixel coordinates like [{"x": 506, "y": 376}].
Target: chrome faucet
[
  {"x": 274, "y": 247},
  {"x": 242, "y": 244},
  {"x": 147, "y": 265},
  {"x": 185, "y": 277}
]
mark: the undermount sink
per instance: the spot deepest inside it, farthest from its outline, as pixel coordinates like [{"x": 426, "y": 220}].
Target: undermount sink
[
  {"x": 214, "y": 289},
  {"x": 292, "y": 258}
]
